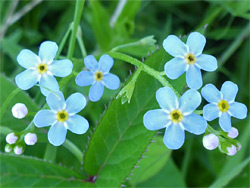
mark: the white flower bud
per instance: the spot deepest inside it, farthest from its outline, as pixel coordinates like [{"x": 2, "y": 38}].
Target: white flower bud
[
  {"x": 19, "y": 110},
  {"x": 8, "y": 148},
  {"x": 233, "y": 133},
  {"x": 239, "y": 147},
  {"x": 231, "y": 150},
  {"x": 210, "y": 141},
  {"x": 18, "y": 150},
  {"x": 11, "y": 138},
  {"x": 30, "y": 138}
]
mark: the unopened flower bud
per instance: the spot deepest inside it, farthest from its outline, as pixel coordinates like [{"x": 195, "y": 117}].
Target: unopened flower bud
[
  {"x": 210, "y": 141},
  {"x": 30, "y": 138},
  {"x": 18, "y": 150},
  {"x": 7, "y": 148},
  {"x": 231, "y": 150},
  {"x": 233, "y": 133},
  {"x": 11, "y": 138},
  {"x": 19, "y": 110},
  {"x": 239, "y": 147}
]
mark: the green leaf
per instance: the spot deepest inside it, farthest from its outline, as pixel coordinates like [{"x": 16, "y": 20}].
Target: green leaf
[
  {"x": 120, "y": 139},
  {"x": 27, "y": 172}
]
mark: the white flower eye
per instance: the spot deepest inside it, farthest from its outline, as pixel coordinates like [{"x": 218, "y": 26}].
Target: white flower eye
[
  {"x": 30, "y": 138},
  {"x": 19, "y": 110},
  {"x": 210, "y": 141},
  {"x": 11, "y": 138}
]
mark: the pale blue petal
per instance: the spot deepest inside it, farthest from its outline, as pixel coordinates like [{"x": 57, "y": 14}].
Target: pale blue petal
[
  {"x": 85, "y": 78},
  {"x": 61, "y": 68},
  {"x": 211, "y": 112},
  {"x": 175, "y": 67},
  {"x": 27, "y": 59},
  {"x": 47, "y": 51},
  {"x": 196, "y": 43},
  {"x": 44, "y": 118},
  {"x": 211, "y": 94},
  {"x": 238, "y": 110},
  {"x": 111, "y": 81},
  {"x": 105, "y": 63},
  {"x": 26, "y": 79},
  {"x": 56, "y": 101},
  {"x": 96, "y": 91},
  {"x": 174, "y": 46},
  {"x": 229, "y": 91},
  {"x": 77, "y": 124},
  {"x": 194, "y": 124},
  {"x": 207, "y": 62},
  {"x": 91, "y": 63},
  {"x": 155, "y": 119},
  {"x": 189, "y": 101},
  {"x": 174, "y": 136},
  {"x": 167, "y": 98},
  {"x": 193, "y": 77},
  {"x": 57, "y": 134},
  {"x": 49, "y": 82},
  {"x": 225, "y": 122},
  {"x": 75, "y": 103}
]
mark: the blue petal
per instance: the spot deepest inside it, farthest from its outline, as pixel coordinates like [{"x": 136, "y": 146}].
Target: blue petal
[
  {"x": 225, "y": 122},
  {"x": 106, "y": 62},
  {"x": 155, "y": 119},
  {"x": 193, "y": 77},
  {"x": 238, "y": 110},
  {"x": 167, "y": 98},
  {"x": 56, "y": 101},
  {"x": 85, "y": 78},
  {"x": 196, "y": 43},
  {"x": 96, "y": 91},
  {"x": 207, "y": 62},
  {"x": 27, "y": 79},
  {"x": 211, "y": 112},
  {"x": 211, "y": 93},
  {"x": 229, "y": 91},
  {"x": 47, "y": 51},
  {"x": 61, "y": 68},
  {"x": 174, "y": 46},
  {"x": 75, "y": 103},
  {"x": 44, "y": 118},
  {"x": 111, "y": 81},
  {"x": 77, "y": 124},
  {"x": 174, "y": 136},
  {"x": 57, "y": 134},
  {"x": 91, "y": 63},
  {"x": 49, "y": 82},
  {"x": 189, "y": 101},
  {"x": 175, "y": 67},
  {"x": 194, "y": 124},
  {"x": 27, "y": 59}
]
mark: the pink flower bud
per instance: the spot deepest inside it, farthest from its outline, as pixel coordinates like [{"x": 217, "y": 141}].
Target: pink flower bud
[
  {"x": 210, "y": 141},
  {"x": 18, "y": 150},
  {"x": 231, "y": 150},
  {"x": 233, "y": 133},
  {"x": 11, "y": 138},
  {"x": 30, "y": 138},
  {"x": 19, "y": 110}
]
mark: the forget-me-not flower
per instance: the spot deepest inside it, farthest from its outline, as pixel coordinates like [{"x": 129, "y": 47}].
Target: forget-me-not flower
[
  {"x": 42, "y": 68},
  {"x": 188, "y": 57},
  {"x": 176, "y": 116},
  {"x": 62, "y": 116},
  {"x": 222, "y": 104},
  {"x": 98, "y": 76}
]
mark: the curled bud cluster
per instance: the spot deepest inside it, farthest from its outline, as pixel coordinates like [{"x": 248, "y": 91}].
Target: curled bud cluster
[{"x": 19, "y": 110}]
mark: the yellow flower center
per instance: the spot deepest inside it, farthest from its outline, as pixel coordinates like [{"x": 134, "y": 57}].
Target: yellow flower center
[
  {"x": 176, "y": 116},
  {"x": 223, "y": 105},
  {"x": 62, "y": 116},
  {"x": 98, "y": 76},
  {"x": 42, "y": 68},
  {"x": 190, "y": 58}
]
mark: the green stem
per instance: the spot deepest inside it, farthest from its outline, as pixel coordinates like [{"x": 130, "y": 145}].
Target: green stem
[
  {"x": 81, "y": 43},
  {"x": 77, "y": 18},
  {"x": 145, "y": 68},
  {"x": 73, "y": 149},
  {"x": 50, "y": 153}
]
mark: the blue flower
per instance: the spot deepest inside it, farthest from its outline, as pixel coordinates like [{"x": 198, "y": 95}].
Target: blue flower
[
  {"x": 62, "y": 116},
  {"x": 98, "y": 76},
  {"x": 222, "y": 104},
  {"x": 41, "y": 68},
  {"x": 188, "y": 57},
  {"x": 176, "y": 116}
]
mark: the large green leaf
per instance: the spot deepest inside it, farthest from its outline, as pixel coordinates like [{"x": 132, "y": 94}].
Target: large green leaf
[
  {"x": 27, "y": 172},
  {"x": 120, "y": 139}
]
